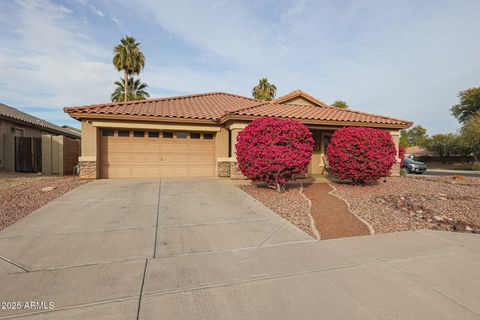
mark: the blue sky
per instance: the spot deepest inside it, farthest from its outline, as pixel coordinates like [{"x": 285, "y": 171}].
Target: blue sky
[{"x": 406, "y": 59}]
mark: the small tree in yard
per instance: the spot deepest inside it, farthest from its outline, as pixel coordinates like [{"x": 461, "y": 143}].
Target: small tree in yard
[
  {"x": 274, "y": 151},
  {"x": 362, "y": 155}
]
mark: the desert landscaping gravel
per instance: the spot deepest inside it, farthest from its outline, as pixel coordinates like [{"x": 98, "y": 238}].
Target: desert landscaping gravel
[
  {"x": 410, "y": 203},
  {"x": 21, "y": 194},
  {"x": 326, "y": 213}
]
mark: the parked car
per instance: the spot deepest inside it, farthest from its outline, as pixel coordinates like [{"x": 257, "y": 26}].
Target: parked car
[{"x": 413, "y": 166}]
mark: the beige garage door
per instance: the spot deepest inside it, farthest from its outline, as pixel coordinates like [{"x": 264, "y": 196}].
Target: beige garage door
[{"x": 142, "y": 154}]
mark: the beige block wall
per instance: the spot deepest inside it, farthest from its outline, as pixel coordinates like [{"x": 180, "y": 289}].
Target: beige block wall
[
  {"x": 57, "y": 155},
  {"x": 3, "y": 131},
  {"x": 8, "y": 152},
  {"x": 52, "y": 154},
  {"x": 47, "y": 154}
]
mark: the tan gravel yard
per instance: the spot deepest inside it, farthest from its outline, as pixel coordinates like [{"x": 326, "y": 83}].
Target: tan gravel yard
[
  {"x": 21, "y": 194},
  {"x": 410, "y": 203},
  {"x": 399, "y": 204}
]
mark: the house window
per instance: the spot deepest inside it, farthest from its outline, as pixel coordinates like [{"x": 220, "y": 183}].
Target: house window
[
  {"x": 208, "y": 136},
  {"x": 107, "y": 132},
  {"x": 182, "y": 135},
  {"x": 168, "y": 135},
  {"x": 123, "y": 133},
  {"x": 139, "y": 134},
  {"x": 194, "y": 135},
  {"x": 153, "y": 134}
]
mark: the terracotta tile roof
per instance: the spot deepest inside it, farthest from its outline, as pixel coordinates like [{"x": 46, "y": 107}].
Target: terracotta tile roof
[
  {"x": 306, "y": 112},
  {"x": 17, "y": 116},
  {"x": 218, "y": 105},
  {"x": 200, "y": 106},
  {"x": 297, "y": 94}
]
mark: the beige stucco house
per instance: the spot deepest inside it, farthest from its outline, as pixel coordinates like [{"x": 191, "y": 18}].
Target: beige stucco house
[
  {"x": 58, "y": 147},
  {"x": 195, "y": 135}
]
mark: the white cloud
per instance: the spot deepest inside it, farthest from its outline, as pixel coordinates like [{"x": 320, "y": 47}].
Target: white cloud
[
  {"x": 406, "y": 59},
  {"x": 53, "y": 62},
  {"x": 97, "y": 11}
]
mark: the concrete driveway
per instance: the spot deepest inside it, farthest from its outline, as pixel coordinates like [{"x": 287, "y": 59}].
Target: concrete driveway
[{"x": 203, "y": 249}]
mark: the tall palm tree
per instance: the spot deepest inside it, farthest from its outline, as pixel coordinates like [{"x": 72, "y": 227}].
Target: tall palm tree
[
  {"x": 135, "y": 90},
  {"x": 340, "y": 104},
  {"x": 264, "y": 90},
  {"x": 127, "y": 56}
]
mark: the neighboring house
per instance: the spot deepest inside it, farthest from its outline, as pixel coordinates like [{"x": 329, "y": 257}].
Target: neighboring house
[
  {"x": 75, "y": 131},
  {"x": 416, "y": 151},
  {"x": 195, "y": 135},
  {"x": 30, "y": 144}
]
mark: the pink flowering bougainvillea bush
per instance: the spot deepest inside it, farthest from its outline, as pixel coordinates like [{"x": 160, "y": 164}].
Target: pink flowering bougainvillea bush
[
  {"x": 362, "y": 155},
  {"x": 274, "y": 150}
]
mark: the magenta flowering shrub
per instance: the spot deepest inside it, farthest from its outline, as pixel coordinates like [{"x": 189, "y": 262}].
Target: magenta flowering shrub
[
  {"x": 361, "y": 154},
  {"x": 274, "y": 150}
]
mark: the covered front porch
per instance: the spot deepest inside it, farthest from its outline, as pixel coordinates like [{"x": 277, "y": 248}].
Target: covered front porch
[{"x": 227, "y": 166}]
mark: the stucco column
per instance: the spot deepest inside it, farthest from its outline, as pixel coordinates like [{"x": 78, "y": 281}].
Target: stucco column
[
  {"x": 396, "y": 167},
  {"x": 233, "y": 142},
  {"x": 235, "y": 129},
  {"x": 88, "y": 160}
]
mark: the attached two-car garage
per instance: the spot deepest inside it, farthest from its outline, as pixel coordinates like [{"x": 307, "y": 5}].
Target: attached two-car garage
[{"x": 137, "y": 153}]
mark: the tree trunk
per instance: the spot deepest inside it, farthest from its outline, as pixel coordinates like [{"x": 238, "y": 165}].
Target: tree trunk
[{"x": 126, "y": 86}]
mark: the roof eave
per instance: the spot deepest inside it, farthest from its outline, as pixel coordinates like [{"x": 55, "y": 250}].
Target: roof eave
[
  {"x": 38, "y": 127},
  {"x": 321, "y": 122},
  {"x": 87, "y": 116}
]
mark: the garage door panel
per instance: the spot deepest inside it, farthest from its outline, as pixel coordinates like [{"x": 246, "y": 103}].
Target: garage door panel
[
  {"x": 139, "y": 172},
  {"x": 120, "y": 146},
  {"x": 181, "y": 148},
  {"x": 139, "y": 146},
  {"x": 154, "y": 171},
  {"x": 195, "y": 148},
  {"x": 181, "y": 159},
  {"x": 167, "y": 147},
  {"x": 139, "y": 157},
  {"x": 181, "y": 172},
  {"x": 121, "y": 172},
  {"x": 209, "y": 171},
  {"x": 120, "y": 158},
  {"x": 154, "y": 159},
  {"x": 154, "y": 147},
  {"x": 208, "y": 148}
]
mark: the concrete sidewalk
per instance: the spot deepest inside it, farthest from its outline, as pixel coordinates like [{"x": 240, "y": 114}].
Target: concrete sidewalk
[{"x": 203, "y": 249}]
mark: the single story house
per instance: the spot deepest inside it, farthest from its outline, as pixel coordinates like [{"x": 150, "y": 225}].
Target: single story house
[
  {"x": 416, "y": 151},
  {"x": 195, "y": 135},
  {"x": 30, "y": 144}
]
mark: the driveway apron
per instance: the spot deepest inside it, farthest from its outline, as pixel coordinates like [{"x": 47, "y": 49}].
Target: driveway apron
[{"x": 204, "y": 249}]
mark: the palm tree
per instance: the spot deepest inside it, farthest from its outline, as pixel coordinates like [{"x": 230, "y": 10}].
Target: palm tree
[
  {"x": 127, "y": 56},
  {"x": 340, "y": 104},
  {"x": 264, "y": 90},
  {"x": 135, "y": 90}
]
